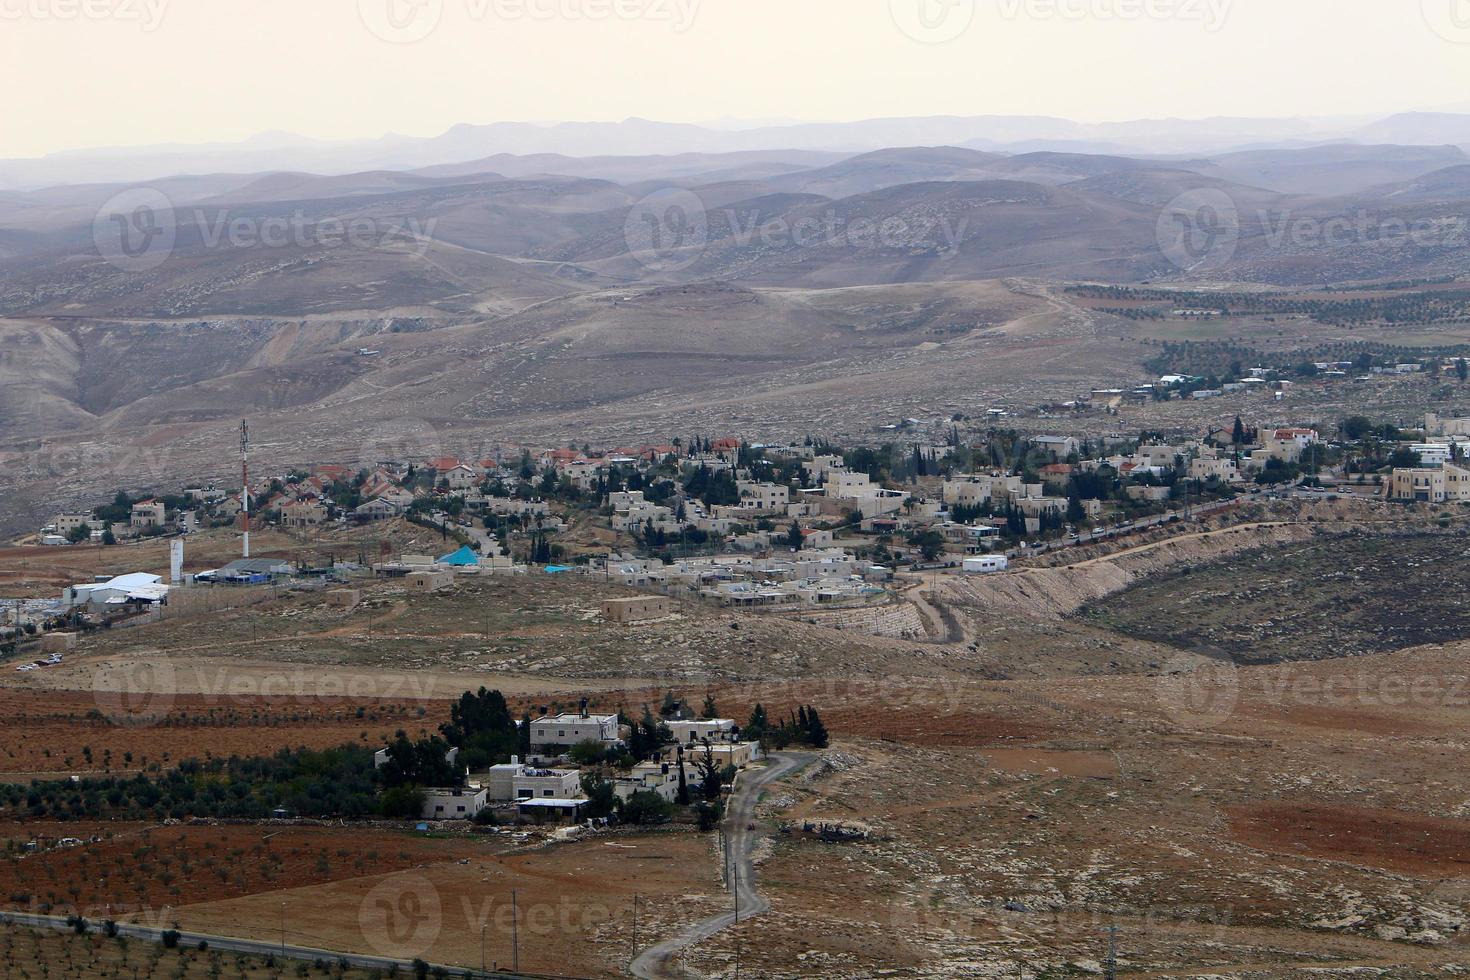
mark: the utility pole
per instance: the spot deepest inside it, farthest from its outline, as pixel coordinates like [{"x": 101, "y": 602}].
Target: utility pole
[
  {"x": 633, "y": 947},
  {"x": 735, "y": 866},
  {"x": 283, "y": 927},
  {"x": 1111, "y": 967},
  {"x": 515, "y": 936},
  {"x": 482, "y": 947},
  {"x": 245, "y": 481}
]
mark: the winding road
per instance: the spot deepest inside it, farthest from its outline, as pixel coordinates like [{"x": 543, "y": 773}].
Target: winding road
[{"x": 653, "y": 963}]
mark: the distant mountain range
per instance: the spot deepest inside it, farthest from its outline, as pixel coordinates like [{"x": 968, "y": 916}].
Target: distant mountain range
[
  {"x": 276, "y": 151},
  {"x": 506, "y": 293}
]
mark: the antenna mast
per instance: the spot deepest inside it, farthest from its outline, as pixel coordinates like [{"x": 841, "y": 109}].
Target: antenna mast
[{"x": 245, "y": 481}]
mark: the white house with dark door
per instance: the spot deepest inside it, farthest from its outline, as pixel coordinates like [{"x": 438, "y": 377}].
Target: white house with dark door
[
  {"x": 555, "y": 734},
  {"x": 454, "y": 803}
]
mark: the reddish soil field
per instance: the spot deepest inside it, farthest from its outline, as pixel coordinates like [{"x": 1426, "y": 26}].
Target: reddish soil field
[
  {"x": 920, "y": 728},
  {"x": 150, "y": 868},
  {"x": 1388, "y": 839},
  {"x": 51, "y": 731}
]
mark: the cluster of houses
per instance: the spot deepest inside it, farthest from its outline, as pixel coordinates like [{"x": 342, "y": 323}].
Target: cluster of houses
[
  {"x": 547, "y": 788},
  {"x": 1443, "y": 473}
]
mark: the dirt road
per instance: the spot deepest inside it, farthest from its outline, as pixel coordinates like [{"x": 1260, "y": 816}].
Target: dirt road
[{"x": 655, "y": 962}]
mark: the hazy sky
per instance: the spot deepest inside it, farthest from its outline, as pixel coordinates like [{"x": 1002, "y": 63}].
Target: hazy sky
[{"x": 82, "y": 73}]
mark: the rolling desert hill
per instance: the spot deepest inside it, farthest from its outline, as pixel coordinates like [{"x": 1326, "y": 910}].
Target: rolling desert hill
[
  {"x": 1449, "y": 184},
  {"x": 1335, "y": 169},
  {"x": 548, "y": 297},
  {"x": 634, "y": 137}
]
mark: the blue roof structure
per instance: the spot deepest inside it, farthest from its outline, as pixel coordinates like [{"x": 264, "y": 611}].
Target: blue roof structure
[{"x": 462, "y": 558}]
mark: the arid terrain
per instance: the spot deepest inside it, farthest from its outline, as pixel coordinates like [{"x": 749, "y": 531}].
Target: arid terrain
[
  {"x": 1073, "y": 750},
  {"x": 517, "y": 301}
]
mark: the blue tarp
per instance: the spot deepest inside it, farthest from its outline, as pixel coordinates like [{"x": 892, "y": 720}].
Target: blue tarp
[
  {"x": 463, "y": 557},
  {"x": 559, "y": 569}
]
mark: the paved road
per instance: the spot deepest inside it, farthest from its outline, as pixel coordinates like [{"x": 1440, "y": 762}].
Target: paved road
[
  {"x": 234, "y": 945},
  {"x": 654, "y": 962}
]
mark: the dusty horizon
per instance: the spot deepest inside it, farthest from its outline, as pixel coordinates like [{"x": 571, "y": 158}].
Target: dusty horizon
[{"x": 181, "y": 71}]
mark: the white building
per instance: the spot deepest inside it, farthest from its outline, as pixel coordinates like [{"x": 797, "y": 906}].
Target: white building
[
  {"x": 988, "y": 565},
  {"x": 688, "y": 732},
  {"x": 136, "y": 588},
  {"x": 654, "y": 776},
  {"x": 559, "y": 733},
  {"x": 517, "y": 781},
  {"x": 454, "y": 803},
  {"x": 1432, "y": 453},
  {"x": 765, "y": 497}
]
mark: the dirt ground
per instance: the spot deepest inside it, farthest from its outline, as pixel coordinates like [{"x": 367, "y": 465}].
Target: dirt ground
[
  {"x": 1022, "y": 789},
  {"x": 46, "y": 953},
  {"x": 1207, "y": 814},
  {"x": 138, "y": 870},
  {"x": 74, "y": 732},
  {"x": 1330, "y": 597},
  {"x": 573, "y": 911}
]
